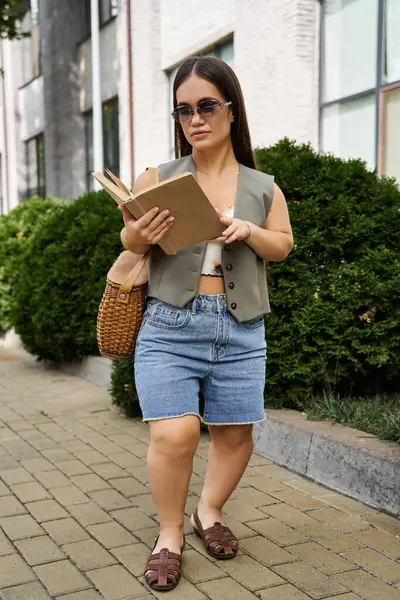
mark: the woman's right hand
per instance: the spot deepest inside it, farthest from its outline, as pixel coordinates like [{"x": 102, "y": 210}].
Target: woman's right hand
[
  {"x": 139, "y": 234},
  {"x": 147, "y": 230}
]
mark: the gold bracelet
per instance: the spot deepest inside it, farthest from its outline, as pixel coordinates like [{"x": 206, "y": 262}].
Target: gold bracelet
[{"x": 249, "y": 234}]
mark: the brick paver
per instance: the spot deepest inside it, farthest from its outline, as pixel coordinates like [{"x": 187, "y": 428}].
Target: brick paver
[{"x": 77, "y": 520}]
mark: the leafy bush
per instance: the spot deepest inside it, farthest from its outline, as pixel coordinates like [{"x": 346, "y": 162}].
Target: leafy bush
[
  {"x": 335, "y": 300},
  {"x": 123, "y": 387},
  {"x": 16, "y": 228},
  {"x": 62, "y": 278}
]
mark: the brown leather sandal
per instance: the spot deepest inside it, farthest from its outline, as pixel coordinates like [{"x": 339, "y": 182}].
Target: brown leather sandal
[
  {"x": 219, "y": 540},
  {"x": 163, "y": 570}
]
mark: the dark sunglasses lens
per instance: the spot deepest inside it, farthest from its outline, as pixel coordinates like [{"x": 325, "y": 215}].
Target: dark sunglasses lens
[
  {"x": 182, "y": 113},
  {"x": 207, "y": 109}
]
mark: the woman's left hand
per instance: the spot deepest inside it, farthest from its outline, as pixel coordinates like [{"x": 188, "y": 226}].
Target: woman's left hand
[{"x": 237, "y": 230}]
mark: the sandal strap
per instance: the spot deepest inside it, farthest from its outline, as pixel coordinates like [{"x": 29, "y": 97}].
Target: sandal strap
[
  {"x": 218, "y": 537},
  {"x": 163, "y": 566}
]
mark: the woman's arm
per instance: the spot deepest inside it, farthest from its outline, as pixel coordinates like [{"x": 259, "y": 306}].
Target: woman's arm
[
  {"x": 275, "y": 241},
  {"x": 272, "y": 243}
]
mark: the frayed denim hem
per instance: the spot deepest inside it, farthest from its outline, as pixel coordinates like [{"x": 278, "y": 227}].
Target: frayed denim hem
[{"x": 170, "y": 417}]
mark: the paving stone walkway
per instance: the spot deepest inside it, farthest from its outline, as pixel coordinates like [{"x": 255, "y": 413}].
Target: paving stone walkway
[{"x": 77, "y": 520}]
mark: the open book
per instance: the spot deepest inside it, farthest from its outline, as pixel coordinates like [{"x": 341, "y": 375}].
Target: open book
[{"x": 196, "y": 219}]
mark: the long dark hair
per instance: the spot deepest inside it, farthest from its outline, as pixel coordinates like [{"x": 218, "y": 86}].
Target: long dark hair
[{"x": 223, "y": 77}]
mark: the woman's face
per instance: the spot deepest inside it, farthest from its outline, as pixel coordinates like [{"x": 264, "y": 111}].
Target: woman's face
[{"x": 204, "y": 132}]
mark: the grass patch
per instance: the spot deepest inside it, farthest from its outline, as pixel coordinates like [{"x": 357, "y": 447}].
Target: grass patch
[{"x": 379, "y": 415}]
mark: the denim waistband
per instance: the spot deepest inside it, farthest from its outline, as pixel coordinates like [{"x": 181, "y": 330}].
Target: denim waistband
[
  {"x": 214, "y": 303},
  {"x": 209, "y": 303}
]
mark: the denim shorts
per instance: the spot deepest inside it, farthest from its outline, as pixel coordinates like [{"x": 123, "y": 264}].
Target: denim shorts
[{"x": 200, "y": 348}]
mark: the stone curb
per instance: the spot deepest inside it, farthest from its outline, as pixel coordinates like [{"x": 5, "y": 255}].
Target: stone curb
[{"x": 348, "y": 461}]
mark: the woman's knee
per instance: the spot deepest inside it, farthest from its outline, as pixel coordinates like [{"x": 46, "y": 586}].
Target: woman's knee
[
  {"x": 176, "y": 437},
  {"x": 232, "y": 437}
]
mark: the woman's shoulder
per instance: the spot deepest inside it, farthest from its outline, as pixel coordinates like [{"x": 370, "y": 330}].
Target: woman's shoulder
[
  {"x": 259, "y": 179},
  {"x": 177, "y": 163}
]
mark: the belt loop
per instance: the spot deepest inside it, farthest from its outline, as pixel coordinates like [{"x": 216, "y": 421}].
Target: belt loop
[{"x": 193, "y": 309}]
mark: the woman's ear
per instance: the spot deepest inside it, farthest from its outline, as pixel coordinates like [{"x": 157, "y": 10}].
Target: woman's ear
[{"x": 232, "y": 118}]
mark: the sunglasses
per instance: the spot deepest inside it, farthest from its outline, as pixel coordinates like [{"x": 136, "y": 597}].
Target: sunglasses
[{"x": 206, "y": 109}]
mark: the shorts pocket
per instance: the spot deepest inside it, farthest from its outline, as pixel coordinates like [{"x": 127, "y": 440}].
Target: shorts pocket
[
  {"x": 167, "y": 316},
  {"x": 254, "y": 323}
]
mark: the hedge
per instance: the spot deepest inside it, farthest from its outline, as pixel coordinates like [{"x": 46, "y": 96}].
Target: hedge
[
  {"x": 62, "y": 278},
  {"x": 335, "y": 300},
  {"x": 16, "y": 228}
]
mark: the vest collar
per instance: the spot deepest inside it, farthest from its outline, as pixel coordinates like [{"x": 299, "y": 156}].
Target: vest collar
[{"x": 241, "y": 198}]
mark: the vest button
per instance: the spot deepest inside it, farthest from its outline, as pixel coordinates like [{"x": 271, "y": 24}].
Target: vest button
[
  {"x": 231, "y": 285},
  {"x": 229, "y": 267},
  {"x": 233, "y": 305},
  {"x": 227, "y": 248}
]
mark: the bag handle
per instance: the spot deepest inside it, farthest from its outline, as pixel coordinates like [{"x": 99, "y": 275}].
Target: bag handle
[{"x": 126, "y": 286}]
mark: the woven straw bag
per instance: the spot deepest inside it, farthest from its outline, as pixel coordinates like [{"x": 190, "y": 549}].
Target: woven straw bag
[{"x": 123, "y": 303}]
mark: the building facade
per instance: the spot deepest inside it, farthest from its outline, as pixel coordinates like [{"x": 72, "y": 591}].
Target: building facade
[{"x": 324, "y": 72}]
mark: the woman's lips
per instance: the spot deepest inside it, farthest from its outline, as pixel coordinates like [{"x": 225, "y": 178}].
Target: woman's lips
[{"x": 200, "y": 134}]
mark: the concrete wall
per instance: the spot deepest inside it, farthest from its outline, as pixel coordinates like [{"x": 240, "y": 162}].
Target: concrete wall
[
  {"x": 276, "y": 56},
  {"x": 31, "y": 109}
]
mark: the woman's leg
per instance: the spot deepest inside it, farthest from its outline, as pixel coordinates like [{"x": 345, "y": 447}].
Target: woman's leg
[
  {"x": 169, "y": 462},
  {"x": 230, "y": 451}
]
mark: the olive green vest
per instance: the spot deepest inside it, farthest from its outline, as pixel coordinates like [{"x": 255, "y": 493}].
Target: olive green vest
[{"x": 175, "y": 278}]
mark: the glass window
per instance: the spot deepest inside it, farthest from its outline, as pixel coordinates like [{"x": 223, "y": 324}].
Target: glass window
[
  {"x": 107, "y": 10},
  {"x": 390, "y": 165},
  {"x": 40, "y": 158},
  {"x": 391, "y": 57},
  {"x": 89, "y": 151},
  {"x": 110, "y": 140},
  {"x": 350, "y": 47},
  {"x": 85, "y": 12},
  {"x": 348, "y": 130},
  {"x": 35, "y": 167},
  {"x": 225, "y": 52},
  {"x": 111, "y": 135}
]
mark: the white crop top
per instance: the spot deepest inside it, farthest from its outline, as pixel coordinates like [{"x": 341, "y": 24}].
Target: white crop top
[{"x": 212, "y": 264}]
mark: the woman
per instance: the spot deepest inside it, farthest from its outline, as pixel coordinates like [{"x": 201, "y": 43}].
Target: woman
[{"x": 203, "y": 330}]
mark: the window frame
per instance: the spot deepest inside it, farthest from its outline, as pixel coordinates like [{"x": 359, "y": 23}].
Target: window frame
[
  {"x": 378, "y": 90},
  {"x": 381, "y": 123}
]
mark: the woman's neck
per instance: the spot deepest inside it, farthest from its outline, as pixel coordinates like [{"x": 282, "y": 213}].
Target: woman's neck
[{"x": 216, "y": 162}]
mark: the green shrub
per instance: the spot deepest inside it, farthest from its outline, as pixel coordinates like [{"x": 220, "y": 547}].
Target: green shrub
[
  {"x": 16, "y": 228},
  {"x": 62, "y": 278},
  {"x": 123, "y": 388},
  {"x": 335, "y": 300}
]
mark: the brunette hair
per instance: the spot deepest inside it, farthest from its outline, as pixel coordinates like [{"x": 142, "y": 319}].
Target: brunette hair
[{"x": 216, "y": 71}]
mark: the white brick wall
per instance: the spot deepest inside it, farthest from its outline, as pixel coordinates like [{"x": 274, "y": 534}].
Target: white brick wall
[{"x": 276, "y": 55}]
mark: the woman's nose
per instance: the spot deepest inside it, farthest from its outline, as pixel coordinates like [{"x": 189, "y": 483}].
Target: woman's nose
[{"x": 197, "y": 119}]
